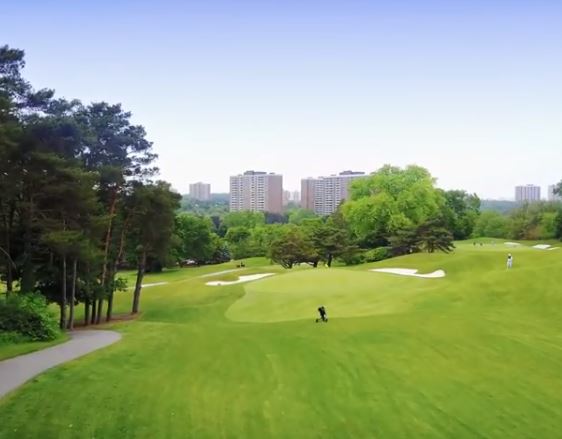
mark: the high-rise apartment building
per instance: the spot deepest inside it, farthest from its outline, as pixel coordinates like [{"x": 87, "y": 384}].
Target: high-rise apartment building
[
  {"x": 529, "y": 192},
  {"x": 200, "y": 191},
  {"x": 551, "y": 195},
  {"x": 323, "y": 195},
  {"x": 308, "y": 186},
  {"x": 257, "y": 192}
]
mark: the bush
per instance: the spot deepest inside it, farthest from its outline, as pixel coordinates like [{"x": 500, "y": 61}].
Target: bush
[
  {"x": 354, "y": 257},
  {"x": 377, "y": 254},
  {"x": 29, "y": 316}
]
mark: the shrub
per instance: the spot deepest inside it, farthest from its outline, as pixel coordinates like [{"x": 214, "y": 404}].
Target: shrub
[
  {"x": 353, "y": 257},
  {"x": 29, "y": 316},
  {"x": 377, "y": 254}
]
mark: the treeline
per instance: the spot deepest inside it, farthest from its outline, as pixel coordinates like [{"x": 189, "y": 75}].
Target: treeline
[
  {"x": 77, "y": 198},
  {"x": 218, "y": 205},
  {"x": 537, "y": 220},
  {"x": 393, "y": 211}
]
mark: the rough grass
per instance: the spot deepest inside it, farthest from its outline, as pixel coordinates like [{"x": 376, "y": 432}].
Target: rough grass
[{"x": 477, "y": 354}]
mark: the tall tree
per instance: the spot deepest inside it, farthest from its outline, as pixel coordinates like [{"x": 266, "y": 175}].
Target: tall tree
[
  {"x": 461, "y": 211},
  {"x": 152, "y": 226},
  {"x": 119, "y": 152},
  {"x": 195, "y": 238},
  {"x": 18, "y": 184},
  {"x": 389, "y": 200},
  {"x": 293, "y": 246},
  {"x": 331, "y": 238}
]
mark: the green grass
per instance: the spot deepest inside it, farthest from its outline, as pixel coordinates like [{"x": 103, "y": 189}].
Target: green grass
[
  {"x": 476, "y": 354},
  {"x": 9, "y": 350}
]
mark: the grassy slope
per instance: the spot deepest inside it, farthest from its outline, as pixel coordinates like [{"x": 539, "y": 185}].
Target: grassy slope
[{"x": 477, "y": 354}]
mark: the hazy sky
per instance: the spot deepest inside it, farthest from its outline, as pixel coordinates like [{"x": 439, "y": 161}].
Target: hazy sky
[{"x": 470, "y": 89}]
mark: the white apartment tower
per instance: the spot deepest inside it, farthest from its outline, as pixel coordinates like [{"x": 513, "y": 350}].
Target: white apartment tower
[
  {"x": 529, "y": 192},
  {"x": 551, "y": 195},
  {"x": 200, "y": 191},
  {"x": 323, "y": 195},
  {"x": 256, "y": 191}
]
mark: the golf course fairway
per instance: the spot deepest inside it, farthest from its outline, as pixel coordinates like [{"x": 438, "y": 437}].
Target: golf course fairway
[{"x": 474, "y": 354}]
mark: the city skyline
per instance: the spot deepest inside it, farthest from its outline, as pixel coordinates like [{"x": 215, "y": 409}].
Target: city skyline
[
  {"x": 545, "y": 192},
  {"x": 313, "y": 86}
]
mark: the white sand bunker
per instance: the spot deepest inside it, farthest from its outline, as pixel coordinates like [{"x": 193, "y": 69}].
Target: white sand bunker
[
  {"x": 545, "y": 247},
  {"x": 512, "y": 244},
  {"x": 241, "y": 279},
  {"x": 155, "y": 284},
  {"x": 410, "y": 272}
]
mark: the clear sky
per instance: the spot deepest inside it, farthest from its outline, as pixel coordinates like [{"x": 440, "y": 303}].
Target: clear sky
[{"x": 470, "y": 89}]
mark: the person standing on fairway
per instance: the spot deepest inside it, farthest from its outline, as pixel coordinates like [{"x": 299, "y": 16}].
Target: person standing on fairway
[
  {"x": 323, "y": 314},
  {"x": 509, "y": 261}
]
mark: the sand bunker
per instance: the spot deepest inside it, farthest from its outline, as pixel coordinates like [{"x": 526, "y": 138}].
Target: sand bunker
[
  {"x": 410, "y": 272},
  {"x": 241, "y": 279},
  {"x": 545, "y": 247},
  {"x": 155, "y": 284},
  {"x": 512, "y": 244}
]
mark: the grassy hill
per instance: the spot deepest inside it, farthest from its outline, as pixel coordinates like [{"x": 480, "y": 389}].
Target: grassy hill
[{"x": 476, "y": 354}]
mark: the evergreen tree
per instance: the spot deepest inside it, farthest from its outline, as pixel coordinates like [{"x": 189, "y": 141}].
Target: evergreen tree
[{"x": 152, "y": 226}]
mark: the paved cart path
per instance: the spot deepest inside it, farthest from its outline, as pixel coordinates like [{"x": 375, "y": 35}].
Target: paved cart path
[{"x": 16, "y": 371}]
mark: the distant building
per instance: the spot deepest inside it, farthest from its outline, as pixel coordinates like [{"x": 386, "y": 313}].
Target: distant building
[
  {"x": 286, "y": 197},
  {"x": 308, "y": 186},
  {"x": 551, "y": 195},
  {"x": 256, "y": 191},
  {"x": 323, "y": 195},
  {"x": 296, "y": 197},
  {"x": 200, "y": 191},
  {"x": 529, "y": 193}
]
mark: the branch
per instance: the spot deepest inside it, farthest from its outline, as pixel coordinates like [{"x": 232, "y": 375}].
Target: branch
[{"x": 9, "y": 258}]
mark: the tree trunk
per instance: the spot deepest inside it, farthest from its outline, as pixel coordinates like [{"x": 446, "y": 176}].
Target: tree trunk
[
  {"x": 108, "y": 236},
  {"x": 109, "y": 312},
  {"x": 111, "y": 292},
  {"x": 107, "y": 243},
  {"x": 86, "y": 312},
  {"x": 11, "y": 265},
  {"x": 63, "y": 295},
  {"x": 99, "y": 311},
  {"x": 27, "y": 281},
  {"x": 72, "y": 295},
  {"x": 7, "y": 251},
  {"x": 93, "y": 319},
  {"x": 27, "y": 276},
  {"x": 138, "y": 285},
  {"x": 116, "y": 263},
  {"x": 330, "y": 257}
]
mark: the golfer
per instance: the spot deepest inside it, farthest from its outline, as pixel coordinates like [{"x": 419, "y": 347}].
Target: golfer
[
  {"x": 323, "y": 314},
  {"x": 509, "y": 261}
]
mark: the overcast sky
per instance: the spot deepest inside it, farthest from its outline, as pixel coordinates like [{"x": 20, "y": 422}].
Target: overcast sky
[{"x": 471, "y": 89}]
